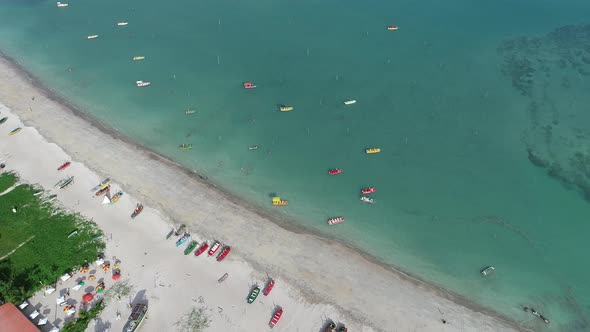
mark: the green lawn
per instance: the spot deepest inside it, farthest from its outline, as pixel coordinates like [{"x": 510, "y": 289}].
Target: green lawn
[{"x": 49, "y": 253}]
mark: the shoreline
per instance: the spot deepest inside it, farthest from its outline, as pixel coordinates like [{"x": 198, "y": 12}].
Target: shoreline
[{"x": 12, "y": 72}]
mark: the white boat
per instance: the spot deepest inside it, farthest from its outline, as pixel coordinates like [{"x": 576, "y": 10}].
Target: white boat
[
  {"x": 142, "y": 83},
  {"x": 121, "y": 24},
  {"x": 253, "y": 147},
  {"x": 61, "y": 4},
  {"x": 350, "y": 102},
  {"x": 487, "y": 271},
  {"x": 188, "y": 112},
  {"x": 138, "y": 57},
  {"x": 367, "y": 199},
  {"x": 92, "y": 36}
]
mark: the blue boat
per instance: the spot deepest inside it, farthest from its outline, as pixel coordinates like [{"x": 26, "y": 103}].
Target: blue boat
[{"x": 183, "y": 239}]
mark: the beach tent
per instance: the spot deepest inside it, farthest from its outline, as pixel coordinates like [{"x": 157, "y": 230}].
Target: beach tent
[
  {"x": 106, "y": 200},
  {"x": 87, "y": 297}
]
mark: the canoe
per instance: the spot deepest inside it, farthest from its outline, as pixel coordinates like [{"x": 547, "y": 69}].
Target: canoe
[
  {"x": 367, "y": 191},
  {"x": 223, "y": 277},
  {"x": 335, "y": 171},
  {"x": 253, "y": 295},
  {"x": 190, "y": 248},
  {"x": 101, "y": 185},
  {"x": 66, "y": 183},
  {"x": 223, "y": 253},
  {"x": 122, "y": 24},
  {"x": 180, "y": 230},
  {"x": 268, "y": 287},
  {"x": 137, "y": 316},
  {"x": 14, "y": 131},
  {"x": 64, "y": 166}
]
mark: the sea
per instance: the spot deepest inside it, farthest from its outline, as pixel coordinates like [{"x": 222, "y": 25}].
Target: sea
[{"x": 480, "y": 109}]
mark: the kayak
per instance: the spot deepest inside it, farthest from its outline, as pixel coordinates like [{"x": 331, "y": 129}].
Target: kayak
[
  {"x": 138, "y": 209},
  {"x": 190, "y": 248},
  {"x": 183, "y": 239},
  {"x": 64, "y": 166},
  {"x": 249, "y": 85},
  {"x": 202, "y": 249},
  {"x": 103, "y": 190},
  {"x": 253, "y": 294},
  {"x": 368, "y": 190},
  {"x": 224, "y": 253},
  {"x": 335, "y": 221},
  {"x": 122, "y": 24},
  {"x": 335, "y": 171},
  {"x": 214, "y": 247},
  {"x": 275, "y": 319},
  {"x": 14, "y": 131},
  {"x": 66, "y": 183},
  {"x": 268, "y": 287},
  {"x": 116, "y": 197}
]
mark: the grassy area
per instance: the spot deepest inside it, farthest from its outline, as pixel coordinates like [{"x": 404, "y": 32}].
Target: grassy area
[
  {"x": 7, "y": 180},
  {"x": 41, "y": 230},
  {"x": 84, "y": 318}
]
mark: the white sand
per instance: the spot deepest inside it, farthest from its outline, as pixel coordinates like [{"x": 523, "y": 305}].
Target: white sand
[{"x": 311, "y": 273}]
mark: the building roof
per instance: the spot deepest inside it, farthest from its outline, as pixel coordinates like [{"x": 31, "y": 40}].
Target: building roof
[{"x": 12, "y": 320}]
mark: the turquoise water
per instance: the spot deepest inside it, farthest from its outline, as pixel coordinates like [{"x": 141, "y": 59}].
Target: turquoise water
[{"x": 456, "y": 191}]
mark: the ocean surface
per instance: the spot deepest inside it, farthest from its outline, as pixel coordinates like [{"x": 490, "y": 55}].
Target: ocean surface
[{"x": 462, "y": 109}]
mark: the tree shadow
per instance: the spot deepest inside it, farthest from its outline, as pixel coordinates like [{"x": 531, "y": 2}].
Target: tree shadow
[{"x": 101, "y": 325}]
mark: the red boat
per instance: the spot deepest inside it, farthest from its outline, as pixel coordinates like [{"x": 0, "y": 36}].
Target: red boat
[
  {"x": 335, "y": 171},
  {"x": 64, "y": 166},
  {"x": 214, "y": 248},
  {"x": 202, "y": 249},
  {"x": 138, "y": 209},
  {"x": 275, "y": 319},
  {"x": 335, "y": 221},
  {"x": 268, "y": 287},
  {"x": 368, "y": 190},
  {"x": 223, "y": 253},
  {"x": 249, "y": 85}
]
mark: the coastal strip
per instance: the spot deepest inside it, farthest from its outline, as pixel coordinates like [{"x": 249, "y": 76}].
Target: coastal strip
[{"x": 319, "y": 278}]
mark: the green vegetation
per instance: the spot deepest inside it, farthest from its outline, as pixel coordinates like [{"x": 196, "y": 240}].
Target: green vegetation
[
  {"x": 195, "y": 320},
  {"x": 84, "y": 317},
  {"x": 34, "y": 246}
]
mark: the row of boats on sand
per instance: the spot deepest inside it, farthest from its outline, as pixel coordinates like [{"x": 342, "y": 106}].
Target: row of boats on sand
[{"x": 185, "y": 236}]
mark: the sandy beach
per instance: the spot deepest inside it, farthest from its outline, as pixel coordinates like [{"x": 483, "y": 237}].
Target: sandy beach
[{"x": 317, "y": 279}]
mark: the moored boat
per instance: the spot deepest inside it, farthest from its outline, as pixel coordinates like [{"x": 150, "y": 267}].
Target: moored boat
[
  {"x": 223, "y": 253},
  {"x": 62, "y": 4},
  {"x": 201, "y": 249},
  {"x": 277, "y": 201},
  {"x": 253, "y": 147},
  {"x": 142, "y": 83},
  {"x": 183, "y": 239},
  {"x": 137, "y": 211},
  {"x": 487, "y": 271},
  {"x": 284, "y": 108},
  {"x": 64, "y": 166},
  {"x": 335, "y": 221},
  {"x": 249, "y": 85},
  {"x": 214, "y": 247},
  {"x": 14, "y": 131},
  {"x": 392, "y": 27},
  {"x": 191, "y": 246},
  {"x": 121, "y": 24},
  {"x": 189, "y": 112},
  {"x": 268, "y": 288},
  {"x": 367, "y": 199},
  {"x": 185, "y": 146},
  {"x": 350, "y": 102},
  {"x": 103, "y": 190},
  {"x": 3, "y": 120},
  {"x": 138, "y": 57},
  {"x": 137, "y": 316},
  {"x": 92, "y": 36},
  {"x": 253, "y": 294},
  {"x": 373, "y": 150},
  {"x": 116, "y": 197},
  {"x": 180, "y": 230},
  {"x": 275, "y": 318},
  {"x": 367, "y": 191},
  {"x": 335, "y": 171}
]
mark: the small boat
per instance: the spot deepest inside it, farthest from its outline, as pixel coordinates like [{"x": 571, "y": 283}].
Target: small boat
[
  {"x": 189, "y": 112},
  {"x": 122, "y": 24},
  {"x": 201, "y": 249},
  {"x": 170, "y": 234},
  {"x": 64, "y": 166},
  {"x": 3, "y": 120},
  {"x": 268, "y": 287},
  {"x": 92, "y": 36},
  {"x": 277, "y": 201},
  {"x": 137, "y": 211},
  {"x": 367, "y": 191},
  {"x": 14, "y": 131},
  {"x": 335, "y": 221},
  {"x": 191, "y": 246},
  {"x": 342, "y": 328},
  {"x": 284, "y": 108},
  {"x": 116, "y": 197},
  {"x": 223, "y": 253},
  {"x": 185, "y": 146},
  {"x": 66, "y": 183},
  {"x": 367, "y": 199},
  {"x": 275, "y": 319},
  {"x": 249, "y": 85},
  {"x": 74, "y": 232},
  {"x": 253, "y": 147},
  {"x": 335, "y": 171},
  {"x": 101, "y": 185},
  {"x": 331, "y": 327},
  {"x": 253, "y": 295},
  {"x": 214, "y": 247},
  {"x": 62, "y": 4},
  {"x": 350, "y": 102},
  {"x": 487, "y": 271},
  {"x": 180, "y": 230},
  {"x": 183, "y": 239},
  {"x": 392, "y": 27},
  {"x": 142, "y": 83},
  {"x": 103, "y": 190},
  {"x": 223, "y": 277},
  {"x": 373, "y": 150},
  {"x": 138, "y": 57},
  {"x": 137, "y": 316}
]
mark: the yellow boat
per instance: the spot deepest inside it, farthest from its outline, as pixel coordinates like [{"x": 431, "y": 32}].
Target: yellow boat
[
  {"x": 286, "y": 108},
  {"x": 373, "y": 150},
  {"x": 139, "y": 57},
  {"x": 278, "y": 201},
  {"x": 185, "y": 146},
  {"x": 16, "y": 130}
]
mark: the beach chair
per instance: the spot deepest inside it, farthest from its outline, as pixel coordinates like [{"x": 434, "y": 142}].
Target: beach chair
[{"x": 23, "y": 305}]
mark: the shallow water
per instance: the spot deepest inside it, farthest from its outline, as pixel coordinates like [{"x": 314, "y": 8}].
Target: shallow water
[{"x": 456, "y": 191}]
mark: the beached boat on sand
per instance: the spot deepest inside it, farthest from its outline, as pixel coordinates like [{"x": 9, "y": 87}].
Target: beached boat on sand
[
  {"x": 66, "y": 182},
  {"x": 191, "y": 246},
  {"x": 214, "y": 247},
  {"x": 116, "y": 197},
  {"x": 64, "y": 166},
  {"x": 137, "y": 316},
  {"x": 335, "y": 171},
  {"x": 137, "y": 211},
  {"x": 253, "y": 295},
  {"x": 101, "y": 185},
  {"x": 335, "y": 221},
  {"x": 269, "y": 287},
  {"x": 180, "y": 230},
  {"x": 275, "y": 318},
  {"x": 14, "y": 131},
  {"x": 331, "y": 327},
  {"x": 142, "y": 83},
  {"x": 183, "y": 239},
  {"x": 201, "y": 249},
  {"x": 342, "y": 328},
  {"x": 138, "y": 57},
  {"x": 3, "y": 120},
  {"x": 367, "y": 199},
  {"x": 103, "y": 190},
  {"x": 223, "y": 253},
  {"x": 367, "y": 191}
]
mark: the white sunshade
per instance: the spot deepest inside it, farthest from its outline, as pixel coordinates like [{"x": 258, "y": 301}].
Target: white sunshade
[
  {"x": 65, "y": 277},
  {"x": 34, "y": 314},
  {"x": 23, "y": 305},
  {"x": 42, "y": 321}
]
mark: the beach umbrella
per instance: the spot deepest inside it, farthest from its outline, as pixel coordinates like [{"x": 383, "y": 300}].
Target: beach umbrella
[
  {"x": 116, "y": 276},
  {"x": 87, "y": 297}
]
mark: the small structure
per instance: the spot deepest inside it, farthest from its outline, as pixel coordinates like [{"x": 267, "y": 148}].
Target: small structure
[{"x": 11, "y": 319}]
